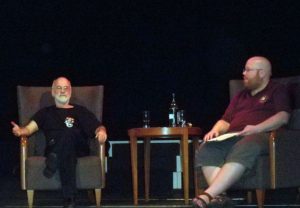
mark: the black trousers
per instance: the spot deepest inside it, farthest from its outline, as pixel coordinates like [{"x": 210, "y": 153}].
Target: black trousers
[{"x": 68, "y": 146}]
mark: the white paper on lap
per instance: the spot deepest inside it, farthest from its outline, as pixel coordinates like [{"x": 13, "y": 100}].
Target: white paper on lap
[{"x": 223, "y": 137}]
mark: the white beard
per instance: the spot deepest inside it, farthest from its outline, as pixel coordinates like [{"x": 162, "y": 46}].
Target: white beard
[{"x": 62, "y": 99}]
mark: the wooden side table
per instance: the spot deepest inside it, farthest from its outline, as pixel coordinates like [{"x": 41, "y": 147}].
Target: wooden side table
[{"x": 161, "y": 132}]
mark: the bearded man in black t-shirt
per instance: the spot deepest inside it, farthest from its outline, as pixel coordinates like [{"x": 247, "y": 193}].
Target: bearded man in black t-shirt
[{"x": 66, "y": 128}]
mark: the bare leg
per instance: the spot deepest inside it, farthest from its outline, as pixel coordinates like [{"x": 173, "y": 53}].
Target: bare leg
[
  {"x": 226, "y": 177},
  {"x": 210, "y": 173}
]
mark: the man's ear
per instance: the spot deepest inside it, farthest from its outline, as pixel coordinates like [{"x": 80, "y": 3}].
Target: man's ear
[{"x": 262, "y": 73}]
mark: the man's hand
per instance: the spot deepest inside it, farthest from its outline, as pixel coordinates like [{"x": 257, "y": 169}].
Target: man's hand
[
  {"x": 16, "y": 130},
  {"x": 219, "y": 128},
  {"x": 24, "y": 131},
  {"x": 101, "y": 134},
  {"x": 250, "y": 129},
  {"x": 210, "y": 135}
]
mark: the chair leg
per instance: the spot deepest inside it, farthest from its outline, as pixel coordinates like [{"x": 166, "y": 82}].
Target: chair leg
[
  {"x": 98, "y": 197},
  {"x": 30, "y": 194},
  {"x": 249, "y": 197},
  {"x": 260, "y": 196}
]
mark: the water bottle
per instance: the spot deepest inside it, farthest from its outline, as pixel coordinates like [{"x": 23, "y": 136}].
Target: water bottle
[{"x": 173, "y": 112}]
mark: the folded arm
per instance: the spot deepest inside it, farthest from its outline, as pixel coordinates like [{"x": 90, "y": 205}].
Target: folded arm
[{"x": 274, "y": 122}]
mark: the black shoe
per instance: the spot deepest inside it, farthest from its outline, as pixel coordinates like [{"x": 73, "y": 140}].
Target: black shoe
[
  {"x": 51, "y": 165},
  {"x": 69, "y": 203}
]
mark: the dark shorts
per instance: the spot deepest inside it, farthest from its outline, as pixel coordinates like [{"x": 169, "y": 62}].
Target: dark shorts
[{"x": 243, "y": 150}]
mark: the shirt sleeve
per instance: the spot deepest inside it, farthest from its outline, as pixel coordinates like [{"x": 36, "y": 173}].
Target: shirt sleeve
[{"x": 39, "y": 117}]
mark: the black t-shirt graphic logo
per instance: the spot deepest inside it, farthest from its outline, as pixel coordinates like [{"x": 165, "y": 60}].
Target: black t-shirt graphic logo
[{"x": 69, "y": 122}]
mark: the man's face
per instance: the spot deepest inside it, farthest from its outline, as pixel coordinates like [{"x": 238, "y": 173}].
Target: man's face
[
  {"x": 62, "y": 91},
  {"x": 251, "y": 74}
]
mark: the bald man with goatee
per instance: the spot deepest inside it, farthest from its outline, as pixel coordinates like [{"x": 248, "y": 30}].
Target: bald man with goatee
[{"x": 261, "y": 107}]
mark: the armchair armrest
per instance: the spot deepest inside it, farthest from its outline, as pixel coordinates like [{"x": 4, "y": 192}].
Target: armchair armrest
[
  {"x": 103, "y": 161},
  {"x": 284, "y": 158},
  {"x": 23, "y": 157}
]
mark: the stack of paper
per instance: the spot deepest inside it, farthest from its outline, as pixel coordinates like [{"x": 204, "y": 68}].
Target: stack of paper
[{"x": 224, "y": 136}]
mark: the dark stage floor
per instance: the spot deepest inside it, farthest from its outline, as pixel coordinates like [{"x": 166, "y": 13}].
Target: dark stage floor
[{"x": 12, "y": 197}]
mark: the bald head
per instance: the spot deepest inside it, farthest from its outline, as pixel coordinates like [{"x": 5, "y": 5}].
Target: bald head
[
  {"x": 257, "y": 73},
  {"x": 60, "y": 80},
  {"x": 261, "y": 63}
]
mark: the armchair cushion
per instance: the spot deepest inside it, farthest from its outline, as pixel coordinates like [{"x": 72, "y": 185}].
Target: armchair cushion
[
  {"x": 286, "y": 158},
  {"x": 87, "y": 174},
  {"x": 34, "y": 175}
]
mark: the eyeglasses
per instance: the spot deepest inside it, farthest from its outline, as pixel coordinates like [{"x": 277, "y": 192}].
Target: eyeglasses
[{"x": 246, "y": 70}]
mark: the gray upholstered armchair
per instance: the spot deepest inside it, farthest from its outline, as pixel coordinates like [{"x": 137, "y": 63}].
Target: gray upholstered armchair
[
  {"x": 90, "y": 171},
  {"x": 279, "y": 169}
]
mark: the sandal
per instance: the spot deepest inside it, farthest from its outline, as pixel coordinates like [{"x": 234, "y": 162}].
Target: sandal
[
  {"x": 198, "y": 202},
  {"x": 222, "y": 201}
]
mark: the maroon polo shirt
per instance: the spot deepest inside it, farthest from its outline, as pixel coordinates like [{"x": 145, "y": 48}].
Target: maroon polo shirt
[{"x": 245, "y": 109}]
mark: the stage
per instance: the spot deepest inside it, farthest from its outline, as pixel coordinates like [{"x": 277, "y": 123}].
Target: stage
[{"x": 11, "y": 196}]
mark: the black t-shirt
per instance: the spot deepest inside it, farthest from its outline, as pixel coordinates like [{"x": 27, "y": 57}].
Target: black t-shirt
[{"x": 52, "y": 121}]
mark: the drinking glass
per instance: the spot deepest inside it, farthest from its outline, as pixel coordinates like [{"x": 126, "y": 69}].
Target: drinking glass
[
  {"x": 181, "y": 120},
  {"x": 146, "y": 119}
]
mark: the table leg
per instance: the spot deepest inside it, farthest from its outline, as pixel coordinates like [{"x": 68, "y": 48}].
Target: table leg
[
  {"x": 185, "y": 166},
  {"x": 133, "y": 147},
  {"x": 147, "y": 167}
]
